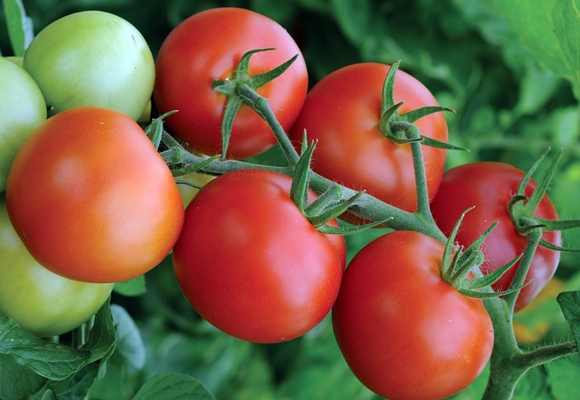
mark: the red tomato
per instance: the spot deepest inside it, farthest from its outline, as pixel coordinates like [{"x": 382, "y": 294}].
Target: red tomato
[
  {"x": 251, "y": 264},
  {"x": 489, "y": 187},
  {"x": 403, "y": 330},
  {"x": 208, "y": 46},
  {"x": 91, "y": 198},
  {"x": 342, "y": 113}
]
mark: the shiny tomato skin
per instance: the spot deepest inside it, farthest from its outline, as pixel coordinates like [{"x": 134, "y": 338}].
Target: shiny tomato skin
[
  {"x": 342, "y": 112},
  {"x": 404, "y": 332},
  {"x": 489, "y": 187},
  {"x": 208, "y": 46},
  {"x": 40, "y": 301},
  {"x": 251, "y": 264},
  {"x": 91, "y": 198}
]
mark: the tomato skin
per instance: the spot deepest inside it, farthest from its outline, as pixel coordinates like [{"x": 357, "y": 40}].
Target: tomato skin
[
  {"x": 251, "y": 264},
  {"x": 22, "y": 109},
  {"x": 91, "y": 198},
  {"x": 342, "y": 112},
  {"x": 405, "y": 332},
  {"x": 208, "y": 46},
  {"x": 489, "y": 187},
  {"x": 92, "y": 58},
  {"x": 41, "y": 302}
]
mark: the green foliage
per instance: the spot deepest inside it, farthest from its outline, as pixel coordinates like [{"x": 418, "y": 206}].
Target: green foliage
[{"x": 511, "y": 70}]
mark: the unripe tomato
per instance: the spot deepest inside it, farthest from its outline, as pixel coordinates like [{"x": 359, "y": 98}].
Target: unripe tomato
[
  {"x": 92, "y": 58},
  {"x": 22, "y": 109},
  {"x": 40, "y": 301}
]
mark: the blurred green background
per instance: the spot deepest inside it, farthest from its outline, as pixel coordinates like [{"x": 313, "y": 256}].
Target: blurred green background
[{"x": 510, "y": 107}]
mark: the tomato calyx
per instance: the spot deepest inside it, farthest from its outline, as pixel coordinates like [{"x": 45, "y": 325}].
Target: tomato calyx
[
  {"x": 458, "y": 263},
  {"x": 234, "y": 87},
  {"x": 521, "y": 207},
  {"x": 400, "y": 128},
  {"x": 174, "y": 154},
  {"x": 329, "y": 205}
]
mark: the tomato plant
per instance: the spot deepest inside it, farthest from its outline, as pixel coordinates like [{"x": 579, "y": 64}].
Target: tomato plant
[
  {"x": 403, "y": 330},
  {"x": 343, "y": 114},
  {"x": 22, "y": 109},
  {"x": 207, "y": 47},
  {"x": 92, "y": 58},
  {"x": 40, "y": 301},
  {"x": 84, "y": 207},
  {"x": 251, "y": 264},
  {"x": 489, "y": 187}
]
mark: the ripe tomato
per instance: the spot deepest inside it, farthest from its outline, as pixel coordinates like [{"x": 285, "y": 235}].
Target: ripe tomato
[
  {"x": 403, "y": 330},
  {"x": 41, "y": 302},
  {"x": 91, "y": 198},
  {"x": 489, "y": 187},
  {"x": 251, "y": 264},
  {"x": 22, "y": 109},
  {"x": 92, "y": 58},
  {"x": 342, "y": 112},
  {"x": 208, "y": 46}
]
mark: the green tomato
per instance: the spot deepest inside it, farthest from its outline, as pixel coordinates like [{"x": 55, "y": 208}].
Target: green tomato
[
  {"x": 22, "y": 109},
  {"x": 92, "y": 58},
  {"x": 16, "y": 60},
  {"x": 41, "y": 302}
]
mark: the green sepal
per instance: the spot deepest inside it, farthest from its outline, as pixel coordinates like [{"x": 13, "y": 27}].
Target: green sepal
[
  {"x": 488, "y": 295},
  {"x": 427, "y": 141},
  {"x": 154, "y": 130},
  {"x": 229, "y": 88},
  {"x": 395, "y": 126},
  {"x": 521, "y": 207},
  {"x": 233, "y": 105},
  {"x": 329, "y": 211},
  {"x": 455, "y": 270},
  {"x": 554, "y": 247},
  {"x": 414, "y": 115},
  {"x": 194, "y": 167},
  {"x": 492, "y": 277},
  {"x": 351, "y": 229},
  {"x": 301, "y": 178},
  {"x": 532, "y": 204}
]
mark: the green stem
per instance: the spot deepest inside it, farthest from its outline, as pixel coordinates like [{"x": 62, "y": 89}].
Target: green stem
[
  {"x": 261, "y": 106},
  {"x": 523, "y": 267},
  {"x": 423, "y": 209}
]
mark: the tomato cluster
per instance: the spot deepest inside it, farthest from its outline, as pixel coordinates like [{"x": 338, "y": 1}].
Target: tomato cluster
[{"x": 91, "y": 199}]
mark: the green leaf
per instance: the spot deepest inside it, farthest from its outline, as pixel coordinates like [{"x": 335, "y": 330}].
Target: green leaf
[
  {"x": 567, "y": 30},
  {"x": 173, "y": 386},
  {"x": 20, "y": 28},
  {"x": 563, "y": 377},
  {"x": 16, "y": 381},
  {"x": 102, "y": 337},
  {"x": 47, "y": 359},
  {"x": 131, "y": 288},
  {"x": 570, "y": 304},
  {"x": 130, "y": 348},
  {"x": 80, "y": 384},
  {"x": 532, "y": 22}
]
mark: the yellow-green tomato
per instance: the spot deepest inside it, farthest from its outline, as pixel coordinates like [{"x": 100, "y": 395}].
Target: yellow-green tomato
[
  {"x": 92, "y": 58},
  {"x": 41, "y": 302},
  {"x": 22, "y": 109},
  {"x": 16, "y": 60}
]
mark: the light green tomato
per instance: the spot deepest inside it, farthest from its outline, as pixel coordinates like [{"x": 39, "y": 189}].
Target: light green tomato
[
  {"x": 41, "y": 302},
  {"x": 22, "y": 109},
  {"x": 92, "y": 58}
]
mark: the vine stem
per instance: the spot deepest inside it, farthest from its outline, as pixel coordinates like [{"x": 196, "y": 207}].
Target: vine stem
[{"x": 366, "y": 206}]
